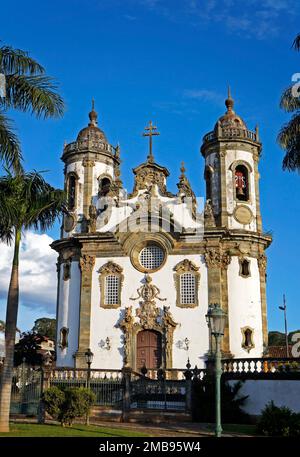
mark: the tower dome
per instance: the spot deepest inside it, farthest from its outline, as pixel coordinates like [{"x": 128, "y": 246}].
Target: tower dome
[
  {"x": 92, "y": 131},
  {"x": 230, "y": 119}
]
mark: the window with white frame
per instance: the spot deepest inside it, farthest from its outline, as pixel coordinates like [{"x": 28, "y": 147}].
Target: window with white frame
[
  {"x": 112, "y": 284},
  {"x": 151, "y": 257},
  {"x": 187, "y": 288}
]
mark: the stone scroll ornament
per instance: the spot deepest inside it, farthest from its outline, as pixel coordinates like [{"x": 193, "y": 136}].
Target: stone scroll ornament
[{"x": 148, "y": 311}]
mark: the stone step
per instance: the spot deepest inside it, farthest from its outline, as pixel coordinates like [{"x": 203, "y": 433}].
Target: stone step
[{"x": 154, "y": 416}]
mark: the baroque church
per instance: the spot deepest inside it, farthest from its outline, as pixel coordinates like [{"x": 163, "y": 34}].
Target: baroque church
[{"x": 137, "y": 271}]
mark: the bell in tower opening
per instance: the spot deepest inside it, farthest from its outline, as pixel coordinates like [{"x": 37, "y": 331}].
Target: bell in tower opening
[{"x": 241, "y": 183}]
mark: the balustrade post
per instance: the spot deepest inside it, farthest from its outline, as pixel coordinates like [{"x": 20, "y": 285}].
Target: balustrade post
[
  {"x": 126, "y": 371},
  {"x": 188, "y": 387},
  {"x": 45, "y": 383}
]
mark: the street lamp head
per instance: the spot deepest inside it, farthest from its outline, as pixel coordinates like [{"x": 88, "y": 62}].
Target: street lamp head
[
  {"x": 89, "y": 357},
  {"x": 216, "y": 319},
  {"x": 282, "y": 308}
]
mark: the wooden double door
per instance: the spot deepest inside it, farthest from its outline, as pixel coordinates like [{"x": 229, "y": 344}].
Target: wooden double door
[{"x": 148, "y": 349}]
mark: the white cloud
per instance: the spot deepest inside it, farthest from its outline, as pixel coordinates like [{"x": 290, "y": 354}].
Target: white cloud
[
  {"x": 37, "y": 272},
  {"x": 261, "y": 19},
  {"x": 205, "y": 95}
]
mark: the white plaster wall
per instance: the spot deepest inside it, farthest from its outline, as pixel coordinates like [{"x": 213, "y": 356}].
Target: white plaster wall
[
  {"x": 192, "y": 323},
  {"x": 244, "y": 308},
  {"x": 68, "y": 315},
  {"x": 231, "y": 157},
  {"x": 262, "y": 391},
  {"x": 99, "y": 169}
]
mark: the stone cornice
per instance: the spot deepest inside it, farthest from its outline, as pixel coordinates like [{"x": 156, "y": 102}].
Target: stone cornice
[{"x": 106, "y": 244}]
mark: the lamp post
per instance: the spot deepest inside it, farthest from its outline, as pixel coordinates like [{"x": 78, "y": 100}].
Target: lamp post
[
  {"x": 216, "y": 318},
  {"x": 283, "y": 308},
  {"x": 89, "y": 359}
]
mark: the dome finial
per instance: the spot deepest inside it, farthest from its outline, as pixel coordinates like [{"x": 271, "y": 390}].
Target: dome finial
[
  {"x": 229, "y": 102},
  {"x": 93, "y": 115}
]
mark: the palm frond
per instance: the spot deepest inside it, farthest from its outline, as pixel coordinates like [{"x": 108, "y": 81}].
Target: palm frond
[
  {"x": 296, "y": 43},
  {"x": 36, "y": 94},
  {"x": 10, "y": 152},
  {"x": 7, "y": 212},
  {"x": 35, "y": 203},
  {"x": 288, "y": 101},
  {"x": 289, "y": 131},
  {"x": 289, "y": 140},
  {"x": 18, "y": 61}
]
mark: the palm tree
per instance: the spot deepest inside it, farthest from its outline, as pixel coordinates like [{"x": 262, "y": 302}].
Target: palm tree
[
  {"x": 27, "y": 89},
  {"x": 27, "y": 201},
  {"x": 289, "y": 136}
]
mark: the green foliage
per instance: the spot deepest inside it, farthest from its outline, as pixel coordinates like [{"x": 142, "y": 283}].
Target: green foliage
[
  {"x": 27, "y": 201},
  {"x": 289, "y": 135},
  {"x": 45, "y": 326},
  {"x": 276, "y": 338},
  {"x": 27, "y": 350},
  {"x": 53, "y": 399},
  {"x": 231, "y": 402},
  {"x": 278, "y": 421},
  {"x": 70, "y": 403}
]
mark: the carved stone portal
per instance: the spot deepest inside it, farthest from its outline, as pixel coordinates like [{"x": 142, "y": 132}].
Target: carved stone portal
[{"x": 149, "y": 317}]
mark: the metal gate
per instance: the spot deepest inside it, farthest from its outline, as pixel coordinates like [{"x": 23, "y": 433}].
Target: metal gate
[
  {"x": 163, "y": 394},
  {"x": 26, "y": 390}
]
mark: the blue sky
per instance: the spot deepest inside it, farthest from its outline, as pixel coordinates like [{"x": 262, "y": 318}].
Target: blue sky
[{"x": 169, "y": 61}]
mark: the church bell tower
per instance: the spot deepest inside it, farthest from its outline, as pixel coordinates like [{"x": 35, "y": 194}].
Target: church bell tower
[{"x": 235, "y": 242}]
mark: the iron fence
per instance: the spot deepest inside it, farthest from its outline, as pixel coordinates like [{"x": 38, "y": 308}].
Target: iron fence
[
  {"x": 26, "y": 390},
  {"x": 107, "y": 385}
]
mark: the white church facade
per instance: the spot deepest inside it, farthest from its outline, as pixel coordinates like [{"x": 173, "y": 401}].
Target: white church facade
[{"x": 137, "y": 272}]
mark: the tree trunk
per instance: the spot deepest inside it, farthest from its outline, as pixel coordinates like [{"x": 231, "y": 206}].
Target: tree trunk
[{"x": 10, "y": 336}]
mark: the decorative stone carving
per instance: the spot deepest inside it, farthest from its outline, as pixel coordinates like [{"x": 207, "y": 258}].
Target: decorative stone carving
[
  {"x": 88, "y": 163},
  {"x": 243, "y": 214},
  {"x": 209, "y": 218},
  {"x": 69, "y": 222},
  {"x": 67, "y": 270},
  {"x": 215, "y": 258},
  {"x": 126, "y": 325},
  {"x": 93, "y": 214},
  {"x": 87, "y": 263},
  {"x": 111, "y": 268},
  {"x": 149, "y": 174},
  {"x": 185, "y": 266},
  {"x": 262, "y": 263},
  {"x": 148, "y": 312}
]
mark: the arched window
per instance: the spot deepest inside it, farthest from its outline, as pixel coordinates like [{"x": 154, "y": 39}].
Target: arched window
[
  {"x": 104, "y": 186},
  {"x": 244, "y": 268},
  {"x": 71, "y": 190},
  {"x": 247, "y": 342},
  {"x": 110, "y": 279},
  {"x": 187, "y": 284},
  {"x": 63, "y": 342},
  {"x": 241, "y": 183},
  {"x": 208, "y": 180}
]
